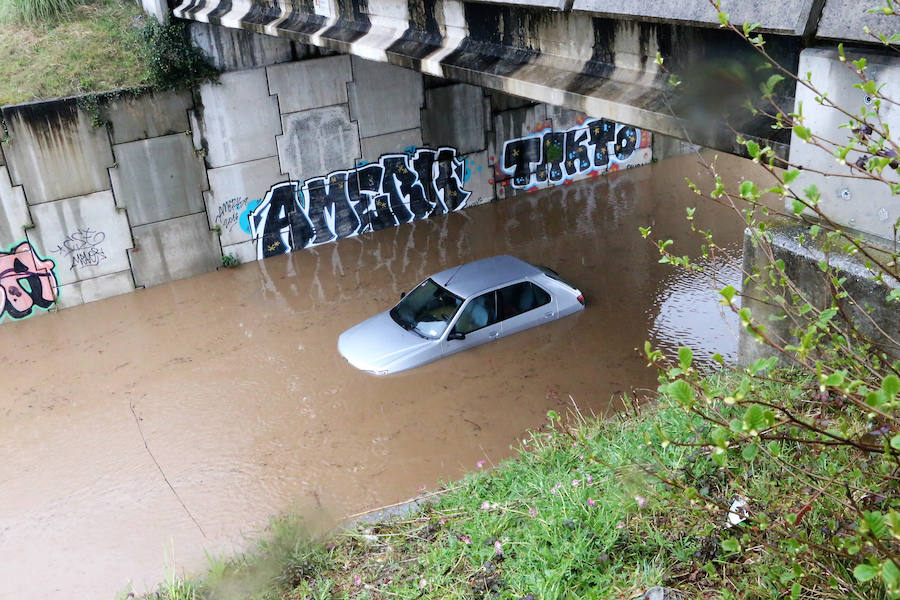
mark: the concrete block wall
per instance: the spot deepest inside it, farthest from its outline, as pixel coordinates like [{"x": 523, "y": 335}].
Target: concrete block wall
[{"x": 271, "y": 159}]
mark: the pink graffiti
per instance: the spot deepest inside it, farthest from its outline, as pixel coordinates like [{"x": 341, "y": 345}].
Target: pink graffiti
[{"x": 26, "y": 281}]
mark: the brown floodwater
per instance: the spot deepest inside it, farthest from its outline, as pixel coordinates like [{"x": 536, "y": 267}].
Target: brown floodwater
[{"x": 249, "y": 410}]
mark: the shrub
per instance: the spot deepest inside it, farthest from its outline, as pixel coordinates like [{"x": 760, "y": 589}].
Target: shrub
[
  {"x": 172, "y": 61},
  {"x": 831, "y": 422}
]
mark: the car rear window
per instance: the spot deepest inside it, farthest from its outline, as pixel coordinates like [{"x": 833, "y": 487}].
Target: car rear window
[{"x": 553, "y": 275}]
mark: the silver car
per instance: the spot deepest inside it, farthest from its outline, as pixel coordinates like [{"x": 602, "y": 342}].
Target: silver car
[{"x": 458, "y": 309}]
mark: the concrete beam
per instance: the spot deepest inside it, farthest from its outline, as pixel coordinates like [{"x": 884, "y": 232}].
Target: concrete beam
[{"x": 577, "y": 59}]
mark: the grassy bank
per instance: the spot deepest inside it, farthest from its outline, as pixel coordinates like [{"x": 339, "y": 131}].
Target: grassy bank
[
  {"x": 587, "y": 509},
  {"x": 93, "y": 48}
]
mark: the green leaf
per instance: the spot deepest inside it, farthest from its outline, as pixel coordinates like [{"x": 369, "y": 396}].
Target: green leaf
[
  {"x": 875, "y": 521},
  {"x": 723, "y": 18},
  {"x": 682, "y": 392},
  {"x": 752, "y": 149},
  {"x": 731, "y": 545},
  {"x": 750, "y": 451},
  {"x": 685, "y": 357},
  {"x": 802, "y": 132},
  {"x": 790, "y": 176},
  {"x": 891, "y": 575},
  {"x": 891, "y": 386},
  {"x": 864, "y": 573},
  {"x": 728, "y": 292},
  {"x": 895, "y": 442},
  {"x": 754, "y": 419}
]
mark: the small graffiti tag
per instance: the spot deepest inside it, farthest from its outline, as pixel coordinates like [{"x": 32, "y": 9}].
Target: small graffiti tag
[
  {"x": 83, "y": 249},
  {"x": 26, "y": 281},
  {"x": 229, "y": 213},
  {"x": 397, "y": 189}
]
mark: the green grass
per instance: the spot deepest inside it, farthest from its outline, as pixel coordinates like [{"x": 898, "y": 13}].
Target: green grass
[
  {"x": 92, "y": 49},
  {"x": 588, "y": 510}
]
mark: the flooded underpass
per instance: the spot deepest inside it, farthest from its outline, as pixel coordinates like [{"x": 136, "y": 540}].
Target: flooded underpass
[{"x": 228, "y": 388}]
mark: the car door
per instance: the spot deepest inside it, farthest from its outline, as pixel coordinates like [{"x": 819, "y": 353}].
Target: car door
[
  {"x": 477, "y": 321},
  {"x": 523, "y": 305}
]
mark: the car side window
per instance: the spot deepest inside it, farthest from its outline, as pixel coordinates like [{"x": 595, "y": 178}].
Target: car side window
[
  {"x": 480, "y": 312},
  {"x": 520, "y": 298}
]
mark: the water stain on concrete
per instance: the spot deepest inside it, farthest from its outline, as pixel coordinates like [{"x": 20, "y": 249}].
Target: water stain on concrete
[{"x": 249, "y": 410}]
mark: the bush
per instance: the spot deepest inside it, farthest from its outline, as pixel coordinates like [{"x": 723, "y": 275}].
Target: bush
[
  {"x": 172, "y": 61},
  {"x": 830, "y": 423}
]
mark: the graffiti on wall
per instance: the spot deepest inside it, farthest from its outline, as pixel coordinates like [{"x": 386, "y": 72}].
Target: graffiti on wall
[
  {"x": 26, "y": 281},
  {"x": 83, "y": 248},
  {"x": 397, "y": 189},
  {"x": 551, "y": 157}
]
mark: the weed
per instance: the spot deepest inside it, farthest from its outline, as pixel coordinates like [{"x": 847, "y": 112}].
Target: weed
[
  {"x": 172, "y": 60},
  {"x": 229, "y": 260},
  {"x": 33, "y": 12}
]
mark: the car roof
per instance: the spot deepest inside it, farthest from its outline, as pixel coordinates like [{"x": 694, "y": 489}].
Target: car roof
[{"x": 473, "y": 277}]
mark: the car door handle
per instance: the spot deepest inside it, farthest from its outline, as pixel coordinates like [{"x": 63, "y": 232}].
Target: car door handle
[
  {"x": 494, "y": 335},
  {"x": 549, "y": 314}
]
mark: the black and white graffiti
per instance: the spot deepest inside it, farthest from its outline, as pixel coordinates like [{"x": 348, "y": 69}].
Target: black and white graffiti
[
  {"x": 399, "y": 188},
  {"x": 554, "y": 157},
  {"x": 83, "y": 248}
]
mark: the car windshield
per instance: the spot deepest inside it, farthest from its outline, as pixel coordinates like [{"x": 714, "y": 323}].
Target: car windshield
[{"x": 427, "y": 310}]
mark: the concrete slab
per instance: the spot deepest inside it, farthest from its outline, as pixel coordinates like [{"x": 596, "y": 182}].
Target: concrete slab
[
  {"x": 159, "y": 178},
  {"x": 151, "y": 114},
  {"x": 454, "y": 116},
  {"x": 390, "y": 143},
  {"x": 234, "y": 191},
  {"x": 174, "y": 249},
  {"x": 479, "y": 179},
  {"x": 86, "y": 236},
  {"x": 384, "y": 98},
  {"x": 239, "y": 121},
  {"x": 309, "y": 84},
  {"x": 236, "y": 49},
  {"x": 787, "y": 16},
  {"x": 843, "y": 20},
  {"x": 862, "y": 205},
  {"x": 317, "y": 142},
  {"x": 96, "y": 288},
  {"x": 53, "y": 138},
  {"x": 14, "y": 216}
]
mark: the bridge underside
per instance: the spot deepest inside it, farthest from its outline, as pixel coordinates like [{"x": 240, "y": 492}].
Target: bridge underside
[{"x": 597, "y": 65}]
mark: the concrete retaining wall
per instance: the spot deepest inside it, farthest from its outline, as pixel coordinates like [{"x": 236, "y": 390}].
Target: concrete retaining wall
[{"x": 271, "y": 159}]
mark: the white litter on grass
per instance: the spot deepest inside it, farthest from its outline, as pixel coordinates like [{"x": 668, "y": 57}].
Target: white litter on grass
[{"x": 738, "y": 511}]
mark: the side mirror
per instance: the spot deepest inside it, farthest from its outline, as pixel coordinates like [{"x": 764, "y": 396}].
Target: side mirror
[
  {"x": 402, "y": 295},
  {"x": 455, "y": 335}
]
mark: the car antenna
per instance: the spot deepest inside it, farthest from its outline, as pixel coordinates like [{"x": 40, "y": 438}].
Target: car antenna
[{"x": 446, "y": 283}]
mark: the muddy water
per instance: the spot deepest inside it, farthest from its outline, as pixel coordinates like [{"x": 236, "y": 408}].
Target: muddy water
[{"x": 247, "y": 408}]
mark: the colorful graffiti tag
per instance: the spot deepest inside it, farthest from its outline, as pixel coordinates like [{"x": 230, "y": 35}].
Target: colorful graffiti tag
[
  {"x": 397, "y": 189},
  {"x": 26, "y": 281},
  {"x": 550, "y": 157}
]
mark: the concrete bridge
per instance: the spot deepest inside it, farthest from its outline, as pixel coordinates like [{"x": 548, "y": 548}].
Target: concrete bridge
[{"x": 599, "y": 58}]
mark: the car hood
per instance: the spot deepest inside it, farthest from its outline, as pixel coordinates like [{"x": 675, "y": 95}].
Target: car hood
[{"x": 377, "y": 342}]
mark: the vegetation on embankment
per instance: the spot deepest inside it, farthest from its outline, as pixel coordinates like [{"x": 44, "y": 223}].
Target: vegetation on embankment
[
  {"x": 59, "y": 48},
  {"x": 588, "y": 509},
  {"x": 91, "y": 48}
]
